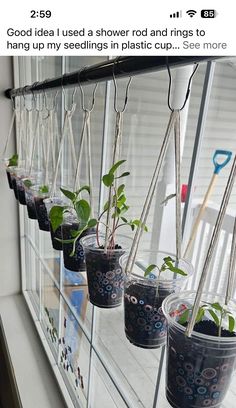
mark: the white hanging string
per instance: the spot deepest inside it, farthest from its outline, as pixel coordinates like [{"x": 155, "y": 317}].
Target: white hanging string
[
  {"x": 147, "y": 204},
  {"x": 13, "y": 119},
  {"x": 55, "y": 130},
  {"x": 116, "y": 146},
  {"x": 71, "y": 140},
  {"x": 211, "y": 249},
  {"x": 178, "y": 238},
  {"x": 56, "y": 136},
  {"x": 115, "y": 158},
  {"x": 35, "y": 139},
  {"x": 232, "y": 267},
  {"x": 67, "y": 115},
  {"x": 90, "y": 170},
  {"x": 42, "y": 138},
  {"x": 48, "y": 144},
  {"x": 82, "y": 137},
  {"x": 19, "y": 133},
  {"x": 86, "y": 131}
]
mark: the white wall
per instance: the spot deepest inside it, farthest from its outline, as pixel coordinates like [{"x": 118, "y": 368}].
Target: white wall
[{"x": 9, "y": 251}]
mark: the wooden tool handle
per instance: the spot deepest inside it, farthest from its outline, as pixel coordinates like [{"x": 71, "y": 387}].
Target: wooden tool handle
[{"x": 200, "y": 214}]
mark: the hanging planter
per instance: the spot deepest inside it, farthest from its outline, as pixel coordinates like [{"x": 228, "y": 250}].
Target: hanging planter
[
  {"x": 20, "y": 174},
  {"x": 199, "y": 368},
  {"x": 145, "y": 324},
  {"x": 12, "y": 172},
  {"x": 73, "y": 255},
  {"x": 39, "y": 193},
  {"x": 56, "y": 236},
  {"x": 201, "y": 346},
  {"x": 28, "y": 182},
  {"x": 11, "y": 164},
  {"x": 104, "y": 273},
  {"x": 104, "y": 251}
]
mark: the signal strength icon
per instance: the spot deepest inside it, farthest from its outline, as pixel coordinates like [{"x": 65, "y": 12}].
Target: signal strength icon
[
  {"x": 191, "y": 13},
  {"x": 177, "y": 14}
]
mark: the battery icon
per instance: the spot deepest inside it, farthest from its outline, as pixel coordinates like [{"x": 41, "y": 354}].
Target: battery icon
[{"x": 208, "y": 13}]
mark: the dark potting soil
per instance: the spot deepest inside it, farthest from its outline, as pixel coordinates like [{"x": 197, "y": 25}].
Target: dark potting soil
[
  {"x": 13, "y": 180},
  {"x": 210, "y": 328},
  {"x": 76, "y": 262},
  {"x": 198, "y": 372},
  {"x": 21, "y": 194},
  {"x": 105, "y": 277},
  {"x": 54, "y": 235},
  {"x": 145, "y": 324},
  {"x": 42, "y": 215},
  {"x": 9, "y": 179},
  {"x": 30, "y": 206}
]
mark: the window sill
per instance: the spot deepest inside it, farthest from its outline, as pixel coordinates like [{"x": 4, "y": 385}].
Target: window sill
[{"x": 35, "y": 381}]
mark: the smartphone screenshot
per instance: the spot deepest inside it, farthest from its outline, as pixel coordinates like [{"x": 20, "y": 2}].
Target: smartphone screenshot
[{"x": 117, "y": 209}]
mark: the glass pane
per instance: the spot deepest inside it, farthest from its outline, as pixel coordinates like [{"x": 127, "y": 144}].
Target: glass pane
[
  {"x": 75, "y": 290},
  {"x": 74, "y": 354},
  {"x": 103, "y": 392},
  {"x": 133, "y": 366},
  {"x": 50, "y": 311}
]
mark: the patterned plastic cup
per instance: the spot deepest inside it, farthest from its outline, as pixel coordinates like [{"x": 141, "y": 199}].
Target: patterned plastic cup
[
  {"x": 145, "y": 324},
  {"x": 104, "y": 273},
  {"x": 199, "y": 368}
]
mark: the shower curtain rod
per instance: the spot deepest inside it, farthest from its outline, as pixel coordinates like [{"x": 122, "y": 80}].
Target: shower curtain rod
[{"x": 103, "y": 71}]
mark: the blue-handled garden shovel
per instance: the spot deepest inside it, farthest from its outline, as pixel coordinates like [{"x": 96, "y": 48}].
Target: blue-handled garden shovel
[{"x": 218, "y": 167}]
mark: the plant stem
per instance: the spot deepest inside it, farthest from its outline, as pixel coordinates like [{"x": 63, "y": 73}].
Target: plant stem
[
  {"x": 220, "y": 323},
  {"x": 114, "y": 159}
]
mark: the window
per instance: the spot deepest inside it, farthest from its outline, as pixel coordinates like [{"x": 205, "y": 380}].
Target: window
[{"x": 98, "y": 364}]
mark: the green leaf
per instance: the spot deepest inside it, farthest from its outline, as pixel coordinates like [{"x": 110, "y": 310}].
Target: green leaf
[
  {"x": 178, "y": 271},
  {"x": 74, "y": 233},
  {"x": 84, "y": 188},
  {"x": 124, "y": 220},
  {"x": 56, "y": 216},
  {"x": 108, "y": 179},
  {"x": 79, "y": 232},
  {"x": 83, "y": 211},
  {"x": 43, "y": 189},
  {"x": 123, "y": 209},
  {"x": 200, "y": 314},
  {"x": 231, "y": 323},
  {"x": 92, "y": 223},
  {"x": 168, "y": 259},
  {"x": 168, "y": 264},
  {"x": 214, "y": 317},
  {"x": 69, "y": 194},
  {"x": 125, "y": 174},
  {"x": 138, "y": 223},
  {"x": 105, "y": 207},
  {"x": 13, "y": 161},
  {"x": 28, "y": 183},
  {"x": 149, "y": 269},
  {"x": 120, "y": 189},
  {"x": 121, "y": 200},
  {"x": 65, "y": 241},
  {"x": 115, "y": 167},
  {"x": 184, "y": 317},
  {"x": 217, "y": 306}
]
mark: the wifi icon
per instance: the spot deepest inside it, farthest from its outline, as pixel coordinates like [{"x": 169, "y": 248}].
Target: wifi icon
[{"x": 191, "y": 13}]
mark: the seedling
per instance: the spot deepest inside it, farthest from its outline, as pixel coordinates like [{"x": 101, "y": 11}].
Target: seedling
[
  {"x": 215, "y": 311},
  {"x": 168, "y": 264},
  {"x": 28, "y": 183},
  {"x": 82, "y": 210},
  {"x": 114, "y": 210},
  {"x": 13, "y": 161},
  {"x": 44, "y": 189}
]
